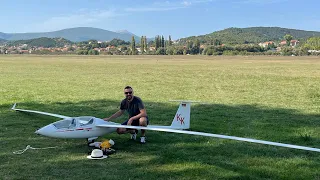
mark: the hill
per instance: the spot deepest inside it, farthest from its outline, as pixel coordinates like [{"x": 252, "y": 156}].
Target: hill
[
  {"x": 43, "y": 41},
  {"x": 251, "y": 35},
  {"x": 73, "y": 34},
  {"x": 2, "y": 41}
]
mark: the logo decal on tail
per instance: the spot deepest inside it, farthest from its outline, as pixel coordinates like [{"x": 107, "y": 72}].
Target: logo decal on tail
[{"x": 179, "y": 118}]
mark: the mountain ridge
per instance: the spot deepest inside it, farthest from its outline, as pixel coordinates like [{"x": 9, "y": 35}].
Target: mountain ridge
[
  {"x": 235, "y": 35},
  {"x": 2, "y": 41},
  {"x": 76, "y": 34},
  {"x": 231, "y": 35}
]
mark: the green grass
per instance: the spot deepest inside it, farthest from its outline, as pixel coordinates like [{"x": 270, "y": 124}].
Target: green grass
[{"x": 268, "y": 98}]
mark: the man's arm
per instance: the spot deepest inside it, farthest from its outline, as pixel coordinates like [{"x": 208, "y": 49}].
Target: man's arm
[{"x": 115, "y": 115}]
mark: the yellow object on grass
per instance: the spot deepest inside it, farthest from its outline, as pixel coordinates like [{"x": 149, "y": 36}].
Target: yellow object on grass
[{"x": 106, "y": 144}]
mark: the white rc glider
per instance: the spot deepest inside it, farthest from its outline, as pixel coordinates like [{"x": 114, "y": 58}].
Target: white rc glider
[{"x": 91, "y": 128}]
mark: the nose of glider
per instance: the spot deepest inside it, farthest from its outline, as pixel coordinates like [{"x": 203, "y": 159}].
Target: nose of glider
[{"x": 45, "y": 131}]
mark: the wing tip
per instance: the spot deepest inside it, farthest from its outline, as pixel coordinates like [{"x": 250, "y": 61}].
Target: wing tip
[{"x": 14, "y": 106}]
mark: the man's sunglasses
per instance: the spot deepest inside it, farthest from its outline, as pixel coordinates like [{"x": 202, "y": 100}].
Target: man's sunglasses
[{"x": 128, "y": 92}]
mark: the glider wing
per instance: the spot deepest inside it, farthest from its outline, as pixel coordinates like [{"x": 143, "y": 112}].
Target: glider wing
[
  {"x": 39, "y": 112},
  {"x": 214, "y": 135}
]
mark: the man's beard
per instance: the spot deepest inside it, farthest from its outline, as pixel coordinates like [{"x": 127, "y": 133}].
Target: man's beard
[{"x": 129, "y": 98}]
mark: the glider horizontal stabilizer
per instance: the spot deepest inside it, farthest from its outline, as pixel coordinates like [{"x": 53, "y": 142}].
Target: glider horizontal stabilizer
[
  {"x": 39, "y": 112},
  {"x": 214, "y": 135}
]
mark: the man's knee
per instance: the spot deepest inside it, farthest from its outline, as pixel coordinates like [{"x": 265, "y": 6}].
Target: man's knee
[{"x": 143, "y": 121}]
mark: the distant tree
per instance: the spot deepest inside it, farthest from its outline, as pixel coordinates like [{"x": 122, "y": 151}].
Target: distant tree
[
  {"x": 123, "y": 48},
  {"x": 117, "y": 42},
  {"x": 152, "y": 43},
  {"x": 71, "y": 48},
  {"x": 82, "y": 52},
  {"x": 302, "y": 51},
  {"x": 313, "y": 43},
  {"x": 133, "y": 46},
  {"x": 287, "y": 51},
  {"x": 170, "y": 41},
  {"x": 95, "y": 45},
  {"x": 145, "y": 44},
  {"x": 162, "y": 41},
  {"x": 161, "y": 51},
  {"x": 186, "y": 51},
  {"x": 178, "y": 51},
  {"x": 271, "y": 46},
  {"x": 157, "y": 43},
  {"x": 215, "y": 42},
  {"x": 170, "y": 50},
  {"x": 196, "y": 47},
  {"x": 93, "y": 52},
  {"x": 142, "y": 44},
  {"x": 288, "y": 38},
  {"x": 189, "y": 45}
]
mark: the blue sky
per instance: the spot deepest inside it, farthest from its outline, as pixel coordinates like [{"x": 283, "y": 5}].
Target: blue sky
[{"x": 180, "y": 18}]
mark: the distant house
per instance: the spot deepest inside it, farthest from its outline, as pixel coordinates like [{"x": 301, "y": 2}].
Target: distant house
[
  {"x": 292, "y": 43},
  {"x": 152, "y": 48},
  {"x": 265, "y": 44},
  {"x": 282, "y": 43},
  {"x": 278, "y": 49},
  {"x": 24, "y": 51},
  {"x": 110, "y": 48},
  {"x": 103, "y": 49},
  {"x": 65, "y": 49}
]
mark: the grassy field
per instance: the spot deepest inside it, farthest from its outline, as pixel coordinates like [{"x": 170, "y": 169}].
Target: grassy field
[{"x": 268, "y": 98}]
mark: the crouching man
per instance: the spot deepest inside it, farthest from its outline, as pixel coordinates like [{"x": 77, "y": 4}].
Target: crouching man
[{"x": 137, "y": 114}]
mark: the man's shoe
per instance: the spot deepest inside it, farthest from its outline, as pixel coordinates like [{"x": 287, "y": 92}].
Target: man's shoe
[
  {"x": 142, "y": 139},
  {"x": 133, "y": 136}
]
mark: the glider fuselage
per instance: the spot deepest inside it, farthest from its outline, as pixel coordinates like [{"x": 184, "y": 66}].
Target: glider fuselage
[{"x": 76, "y": 127}]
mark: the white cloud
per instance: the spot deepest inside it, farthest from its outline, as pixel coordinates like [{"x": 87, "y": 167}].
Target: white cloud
[
  {"x": 202, "y": 1},
  {"x": 145, "y": 9},
  {"x": 261, "y": 1},
  {"x": 166, "y": 6},
  {"x": 89, "y": 17},
  {"x": 186, "y": 3},
  {"x": 82, "y": 17}
]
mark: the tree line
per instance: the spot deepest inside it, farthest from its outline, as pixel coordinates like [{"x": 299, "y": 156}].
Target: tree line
[{"x": 165, "y": 46}]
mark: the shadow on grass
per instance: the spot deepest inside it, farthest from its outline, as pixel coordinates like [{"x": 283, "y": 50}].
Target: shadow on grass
[{"x": 166, "y": 155}]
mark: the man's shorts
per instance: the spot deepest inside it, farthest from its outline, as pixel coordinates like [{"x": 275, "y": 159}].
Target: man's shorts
[{"x": 135, "y": 122}]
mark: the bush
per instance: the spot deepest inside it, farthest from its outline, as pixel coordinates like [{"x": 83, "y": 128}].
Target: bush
[
  {"x": 287, "y": 51},
  {"x": 170, "y": 51},
  {"x": 161, "y": 51},
  {"x": 82, "y": 52},
  {"x": 230, "y": 53},
  {"x": 93, "y": 52}
]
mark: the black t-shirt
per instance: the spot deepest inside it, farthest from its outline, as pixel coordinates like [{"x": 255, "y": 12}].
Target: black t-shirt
[{"x": 133, "y": 108}]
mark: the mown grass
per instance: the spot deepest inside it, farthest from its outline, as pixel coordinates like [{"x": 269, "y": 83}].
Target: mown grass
[{"x": 268, "y": 98}]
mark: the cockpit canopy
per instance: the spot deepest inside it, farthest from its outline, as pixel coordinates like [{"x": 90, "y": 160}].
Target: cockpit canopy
[{"x": 74, "y": 122}]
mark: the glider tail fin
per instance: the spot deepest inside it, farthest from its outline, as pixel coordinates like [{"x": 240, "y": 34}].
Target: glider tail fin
[{"x": 182, "y": 118}]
